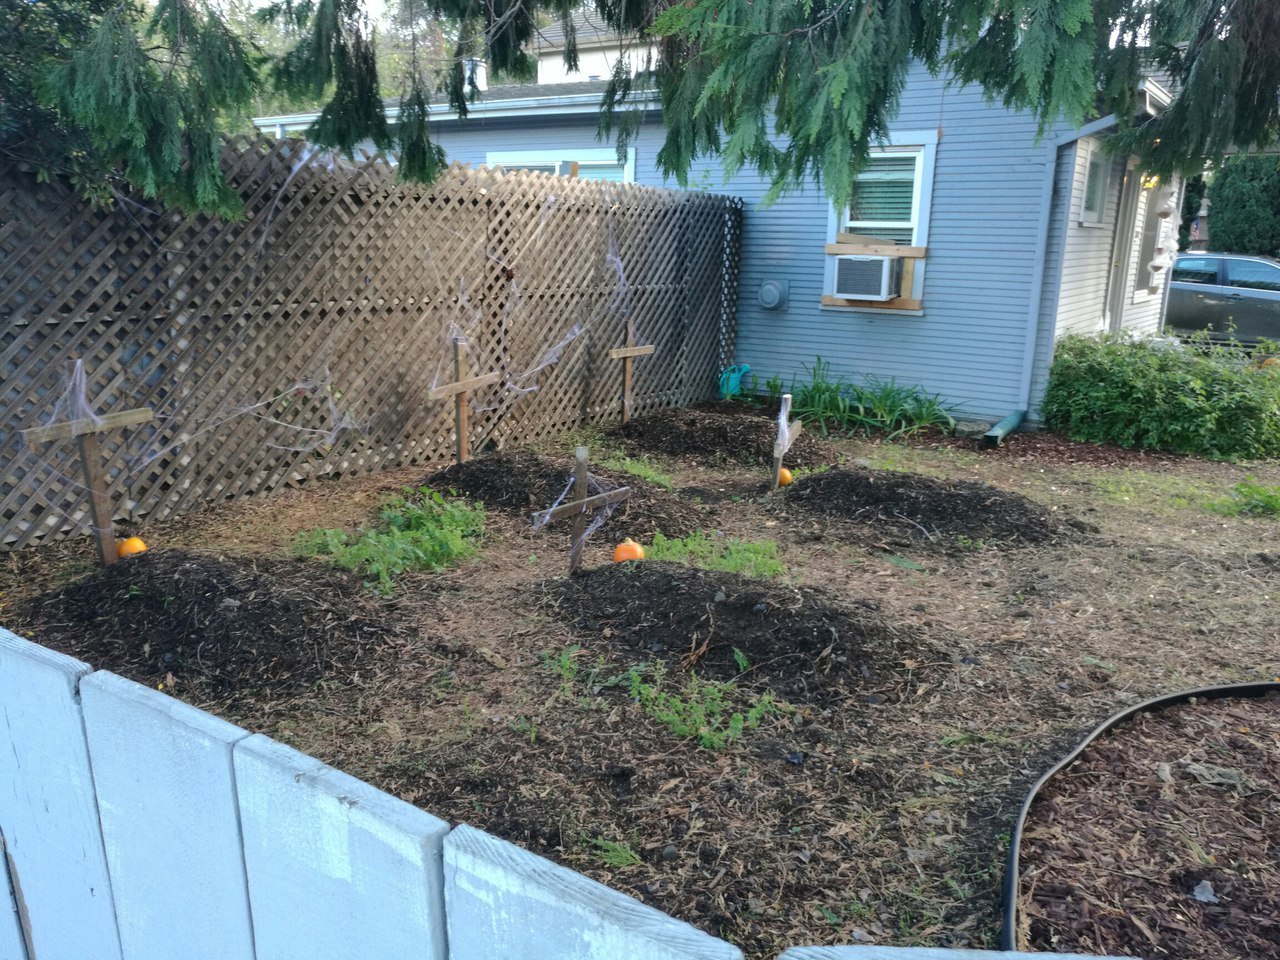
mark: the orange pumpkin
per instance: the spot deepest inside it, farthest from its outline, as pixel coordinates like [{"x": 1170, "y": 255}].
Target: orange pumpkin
[
  {"x": 628, "y": 549},
  {"x": 130, "y": 546},
  {"x": 784, "y": 477}
]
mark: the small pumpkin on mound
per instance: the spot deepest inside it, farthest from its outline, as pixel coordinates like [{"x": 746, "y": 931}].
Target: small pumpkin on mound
[
  {"x": 628, "y": 549},
  {"x": 129, "y": 546},
  {"x": 784, "y": 477}
]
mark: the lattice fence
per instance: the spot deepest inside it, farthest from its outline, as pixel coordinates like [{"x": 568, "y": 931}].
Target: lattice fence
[{"x": 303, "y": 341}]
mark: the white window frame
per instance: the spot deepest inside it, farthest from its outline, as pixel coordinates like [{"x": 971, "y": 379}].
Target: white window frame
[
  {"x": 924, "y": 144},
  {"x": 593, "y": 156},
  {"x": 1092, "y": 154}
]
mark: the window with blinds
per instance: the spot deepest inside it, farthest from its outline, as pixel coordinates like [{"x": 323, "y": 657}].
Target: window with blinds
[{"x": 885, "y": 202}]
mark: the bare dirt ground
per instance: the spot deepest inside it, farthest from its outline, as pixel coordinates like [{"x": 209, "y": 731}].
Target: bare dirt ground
[{"x": 925, "y": 664}]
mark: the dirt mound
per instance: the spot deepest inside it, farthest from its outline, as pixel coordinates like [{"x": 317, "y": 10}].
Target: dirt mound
[
  {"x": 522, "y": 483},
  {"x": 924, "y": 508},
  {"x": 801, "y": 642},
  {"x": 214, "y": 624},
  {"x": 734, "y": 433}
]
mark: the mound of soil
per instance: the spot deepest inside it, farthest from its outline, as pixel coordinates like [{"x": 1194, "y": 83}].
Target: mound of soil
[
  {"x": 735, "y": 433},
  {"x": 218, "y": 625},
  {"x": 522, "y": 483},
  {"x": 1161, "y": 840},
  {"x": 924, "y": 508},
  {"x": 801, "y": 642}
]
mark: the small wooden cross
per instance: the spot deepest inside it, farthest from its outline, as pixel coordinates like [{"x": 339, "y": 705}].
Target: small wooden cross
[
  {"x": 580, "y": 507},
  {"x": 628, "y": 355},
  {"x": 784, "y": 441},
  {"x": 85, "y": 433},
  {"x": 458, "y": 390}
]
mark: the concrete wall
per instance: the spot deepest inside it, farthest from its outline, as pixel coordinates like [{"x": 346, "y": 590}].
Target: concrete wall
[{"x": 137, "y": 827}]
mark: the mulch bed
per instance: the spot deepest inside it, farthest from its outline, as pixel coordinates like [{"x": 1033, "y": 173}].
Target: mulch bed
[
  {"x": 803, "y": 643},
  {"x": 1163, "y": 839},
  {"x": 1051, "y": 448},
  {"x": 519, "y": 484},
  {"x": 217, "y": 625},
  {"x": 720, "y": 433},
  {"x": 925, "y": 509}
]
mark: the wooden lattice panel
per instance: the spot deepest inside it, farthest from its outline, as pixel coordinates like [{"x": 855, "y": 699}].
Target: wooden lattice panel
[{"x": 303, "y": 341}]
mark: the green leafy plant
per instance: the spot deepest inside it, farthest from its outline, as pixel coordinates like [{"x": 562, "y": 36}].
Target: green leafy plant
[
  {"x": 878, "y": 406},
  {"x": 747, "y": 557},
  {"x": 615, "y": 853},
  {"x": 1203, "y": 399},
  {"x": 1249, "y": 499},
  {"x": 421, "y": 530},
  {"x": 641, "y": 467},
  {"x": 563, "y": 664},
  {"x": 702, "y": 709}
]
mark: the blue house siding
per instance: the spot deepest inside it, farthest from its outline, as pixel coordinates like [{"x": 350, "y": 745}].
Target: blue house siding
[{"x": 968, "y": 343}]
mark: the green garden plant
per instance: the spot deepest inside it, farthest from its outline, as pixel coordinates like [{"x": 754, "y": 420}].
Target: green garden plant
[
  {"x": 747, "y": 557},
  {"x": 878, "y": 406},
  {"x": 421, "y": 530},
  {"x": 1200, "y": 399},
  {"x": 1249, "y": 499},
  {"x": 702, "y": 709}
]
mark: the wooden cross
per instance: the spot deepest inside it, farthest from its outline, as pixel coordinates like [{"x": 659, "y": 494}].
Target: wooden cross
[
  {"x": 458, "y": 390},
  {"x": 580, "y": 507},
  {"x": 783, "y": 443},
  {"x": 85, "y": 433},
  {"x": 628, "y": 355}
]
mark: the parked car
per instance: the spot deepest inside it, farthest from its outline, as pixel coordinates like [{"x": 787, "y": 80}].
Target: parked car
[{"x": 1229, "y": 295}]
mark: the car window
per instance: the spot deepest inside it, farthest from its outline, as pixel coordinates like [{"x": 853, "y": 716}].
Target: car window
[
  {"x": 1253, "y": 274},
  {"x": 1196, "y": 270}
]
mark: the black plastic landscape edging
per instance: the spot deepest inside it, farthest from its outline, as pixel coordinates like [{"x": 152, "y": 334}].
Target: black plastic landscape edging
[{"x": 1009, "y": 932}]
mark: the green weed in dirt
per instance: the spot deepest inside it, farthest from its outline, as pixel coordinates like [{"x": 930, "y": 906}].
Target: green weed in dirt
[
  {"x": 1149, "y": 489},
  {"x": 615, "y": 853},
  {"x": 702, "y": 709},
  {"x": 421, "y": 530},
  {"x": 1249, "y": 499},
  {"x": 641, "y": 467},
  {"x": 751, "y": 558}
]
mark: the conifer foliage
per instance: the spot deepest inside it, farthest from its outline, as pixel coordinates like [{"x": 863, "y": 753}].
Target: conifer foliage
[{"x": 109, "y": 92}]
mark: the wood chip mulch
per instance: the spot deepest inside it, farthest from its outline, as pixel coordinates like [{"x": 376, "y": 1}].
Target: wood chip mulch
[
  {"x": 720, "y": 433},
  {"x": 925, "y": 509},
  {"x": 1162, "y": 840},
  {"x": 803, "y": 643},
  {"x": 521, "y": 483},
  {"x": 195, "y": 622}
]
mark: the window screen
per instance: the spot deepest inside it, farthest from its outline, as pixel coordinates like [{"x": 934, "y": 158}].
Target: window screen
[{"x": 884, "y": 199}]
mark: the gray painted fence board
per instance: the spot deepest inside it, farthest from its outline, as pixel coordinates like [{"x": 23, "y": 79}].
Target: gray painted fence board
[
  {"x": 170, "y": 822},
  {"x": 11, "y": 945},
  {"x": 337, "y": 870},
  {"x": 47, "y": 808},
  {"x": 505, "y": 903}
]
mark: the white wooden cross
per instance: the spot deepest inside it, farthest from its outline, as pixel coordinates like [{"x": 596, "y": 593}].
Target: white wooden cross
[
  {"x": 580, "y": 507},
  {"x": 85, "y": 433},
  {"x": 458, "y": 390},
  {"x": 628, "y": 355}
]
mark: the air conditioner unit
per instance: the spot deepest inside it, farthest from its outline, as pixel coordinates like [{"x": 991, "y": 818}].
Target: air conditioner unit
[{"x": 868, "y": 278}]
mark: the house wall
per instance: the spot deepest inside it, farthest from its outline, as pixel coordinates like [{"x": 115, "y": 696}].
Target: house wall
[
  {"x": 968, "y": 344},
  {"x": 593, "y": 64},
  {"x": 1087, "y": 248},
  {"x": 1051, "y": 293},
  {"x": 1143, "y": 309}
]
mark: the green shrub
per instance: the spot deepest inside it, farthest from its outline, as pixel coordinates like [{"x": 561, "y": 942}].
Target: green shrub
[
  {"x": 878, "y": 406},
  {"x": 1249, "y": 499},
  {"x": 419, "y": 531},
  {"x": 1202, "y": 400}
]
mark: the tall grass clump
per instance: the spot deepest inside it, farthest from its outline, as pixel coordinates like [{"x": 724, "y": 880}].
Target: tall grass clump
[
  {"x": 877, "y": 406},
  {"x": 1198, "y": 399}
]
